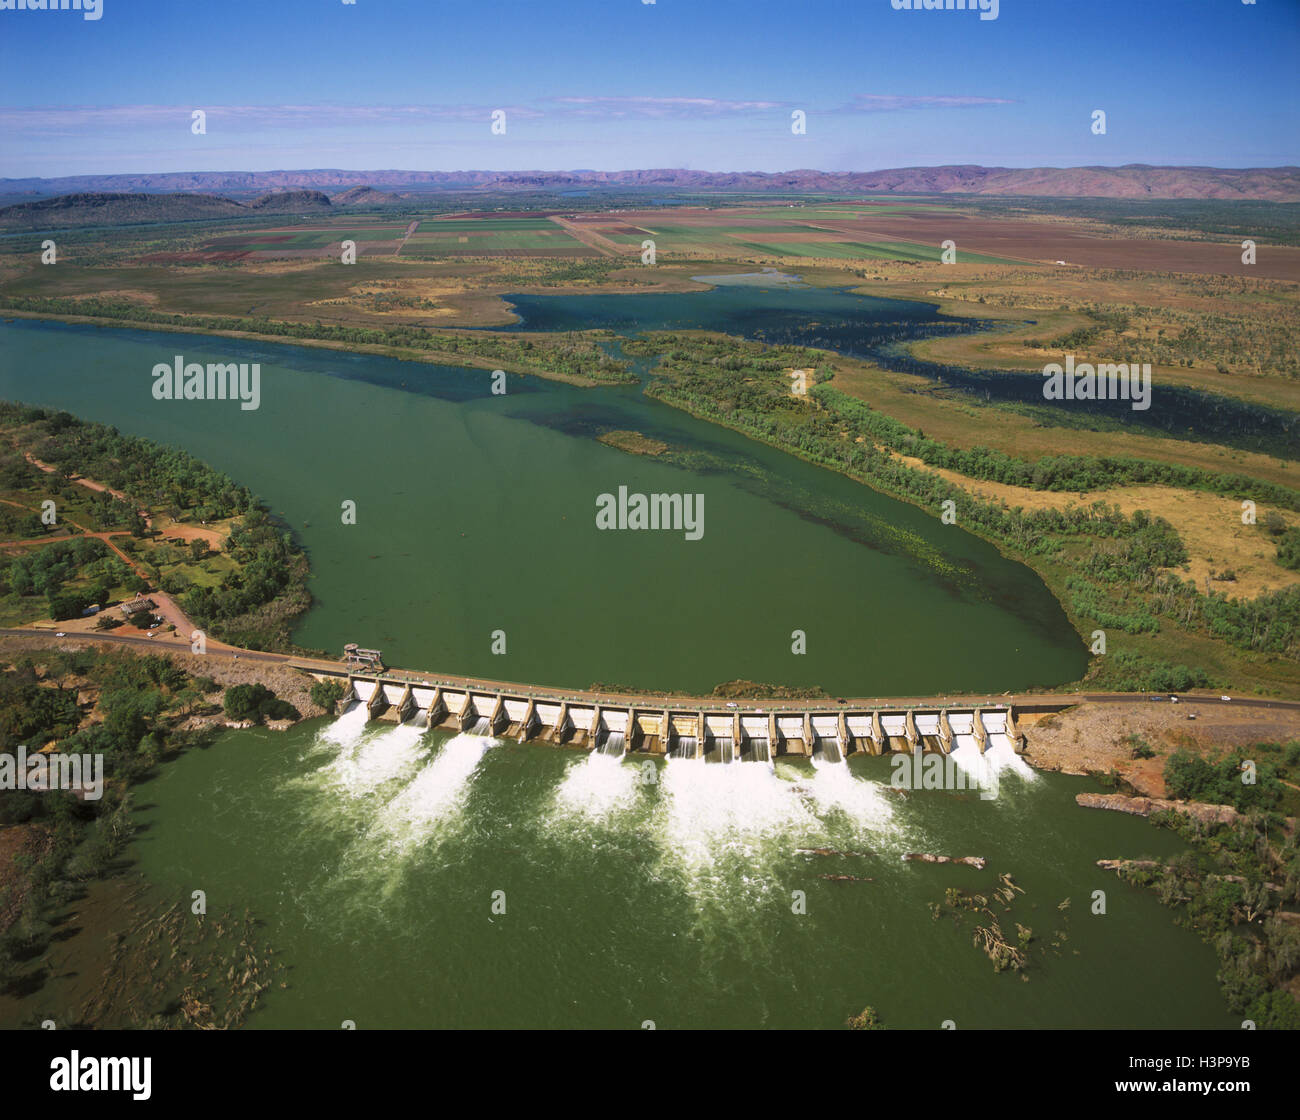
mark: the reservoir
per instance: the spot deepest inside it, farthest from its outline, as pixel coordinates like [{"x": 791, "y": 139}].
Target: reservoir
[{"x": 476, "y": 513}]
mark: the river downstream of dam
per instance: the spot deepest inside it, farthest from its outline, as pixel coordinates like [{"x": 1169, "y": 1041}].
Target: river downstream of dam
[{"x": 429, "y": 879}]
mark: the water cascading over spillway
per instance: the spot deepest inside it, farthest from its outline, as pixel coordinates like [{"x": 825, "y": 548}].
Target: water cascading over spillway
[
  {"x": 756, "y": 750},
  {"x": 613, "y": 744},
  {"x": 685, "y": 747},
  {"x": 440, "y": 786},
  {"x": 1002, "y": 755},
  {"x": 377, "y": 759},
  {"x": 599, "y": 786},
  {"x": 826, "y": 752},
  {"x": 347, "y": 728},
  {"x": 482, "y": 726},
  {"x": 834, "y": 786},
  {"x": 721, "y": 749}
]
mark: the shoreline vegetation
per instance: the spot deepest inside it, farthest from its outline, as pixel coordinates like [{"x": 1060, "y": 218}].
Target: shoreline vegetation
[
  {"x": 161, "y": 962},
  {"x": 131, "y": 518},
  {"x": 1239, "y": 882},
  {"x": 575, "y": 358}
]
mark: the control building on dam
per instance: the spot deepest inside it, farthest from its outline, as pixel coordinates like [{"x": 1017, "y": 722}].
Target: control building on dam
[{"x": 740, "y": 732}]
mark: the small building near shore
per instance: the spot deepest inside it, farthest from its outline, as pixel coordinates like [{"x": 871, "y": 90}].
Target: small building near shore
[
  {"x": 135, "y": 606},
  {"x": 354, "y": 654}
]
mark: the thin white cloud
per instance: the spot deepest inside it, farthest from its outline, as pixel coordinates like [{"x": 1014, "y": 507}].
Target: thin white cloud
[
  {"x": 890, "y": 103},
  {"x": 661, "y": 107},
  {"x": 47, "y": 119},
  {"x": 68, "y": 120}
]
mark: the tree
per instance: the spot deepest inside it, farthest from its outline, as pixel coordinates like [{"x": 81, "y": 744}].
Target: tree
[
  {"x": 242, "y": 701},
  {"x": 67, "y": 604},
  {"x": 326, "y": 694},
  {"x": 256, "y": 702}
]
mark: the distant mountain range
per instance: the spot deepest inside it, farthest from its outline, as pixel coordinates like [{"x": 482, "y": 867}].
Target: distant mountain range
[
  {"x": 183, "y": 197},
  {"x": 96, "y": 208},
  {"x": 1278, "y": 184}
]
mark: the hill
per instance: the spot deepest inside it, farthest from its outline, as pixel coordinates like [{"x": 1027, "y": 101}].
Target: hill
[
  {"x": 1276, "y": 184},
  {"x": 120, "y": 208},
  {"x": 357, "y": 197}
]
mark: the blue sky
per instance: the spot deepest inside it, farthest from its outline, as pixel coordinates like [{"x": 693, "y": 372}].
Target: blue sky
[{"x": 613, "y": 84}]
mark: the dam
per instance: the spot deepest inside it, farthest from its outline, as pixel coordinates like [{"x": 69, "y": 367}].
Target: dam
[{"x": 731, "y": 732}]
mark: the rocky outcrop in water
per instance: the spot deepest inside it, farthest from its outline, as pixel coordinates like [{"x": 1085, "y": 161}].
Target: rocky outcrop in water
[
  {"x": 978, "y": 862},
  {"x": 1145, "y": 806}
]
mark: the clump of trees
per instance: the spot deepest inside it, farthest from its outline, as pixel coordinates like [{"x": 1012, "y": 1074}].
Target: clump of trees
[
  {"x": 140, "y": 705},
  {"x": 258, "y": 603},
  {"x": 1236, "y": 880},
  {"x": 47, "y": 571},
  {"x": 326, "y": 694},
  {"x": 256, "y": 702},
  {"x": 1288, "y": 549},
  {"x": 1243, "y": 779}
]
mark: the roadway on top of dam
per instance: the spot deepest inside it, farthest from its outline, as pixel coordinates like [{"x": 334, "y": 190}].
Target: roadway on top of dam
[{"x": 1021, "y": 701}]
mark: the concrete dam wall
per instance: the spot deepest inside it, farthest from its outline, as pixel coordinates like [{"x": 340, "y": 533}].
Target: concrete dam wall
[{"x": 731, "y": 732}]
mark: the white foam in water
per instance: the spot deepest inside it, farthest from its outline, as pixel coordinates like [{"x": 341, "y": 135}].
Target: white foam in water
[
  {"x": 834, "y": 786},
  {"x": 598, "y": 786},
  {"x": 1002, "y": 755},
  {"x": 967, "y": 758},
  {"x": 349, "y": 727},
  {"x": 710, "y": 809},
  {"x": 378, "y": 759},
  {"x": 439, "y": 790}
]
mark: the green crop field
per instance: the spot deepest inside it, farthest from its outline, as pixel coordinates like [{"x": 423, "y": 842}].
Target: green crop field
[
  {"x": 271, "y": 240},
  {"x": 483, "y": 225},
  {"x": 480, "y": 239}
]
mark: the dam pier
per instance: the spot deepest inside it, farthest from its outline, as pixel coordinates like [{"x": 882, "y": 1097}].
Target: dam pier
[{"x": 730, "y": 732}]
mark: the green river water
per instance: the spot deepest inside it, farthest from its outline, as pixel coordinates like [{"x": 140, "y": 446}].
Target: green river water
[
  {"x": 477, "y": 513},
  {"x": 375, "y": 862},
  {"x": 373, "y": 854}
]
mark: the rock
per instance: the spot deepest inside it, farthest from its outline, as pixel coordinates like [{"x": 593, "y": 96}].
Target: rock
[
  {"x": 978, "y": 862},
  {"x": 1145, "y": 806}
]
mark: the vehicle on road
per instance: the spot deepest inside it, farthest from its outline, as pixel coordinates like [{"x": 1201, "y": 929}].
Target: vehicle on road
[
  {"x": 1173, "y": 699},
  {"x": 1225, "y": 699}
]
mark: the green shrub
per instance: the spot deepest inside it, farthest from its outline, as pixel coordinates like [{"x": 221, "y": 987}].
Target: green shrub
[{"x": 326, "y": 694}]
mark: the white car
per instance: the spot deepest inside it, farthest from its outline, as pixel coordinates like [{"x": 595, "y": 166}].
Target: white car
[
  {"x": 1225, "y": 699},
  {"x": 60, "y": 634}
]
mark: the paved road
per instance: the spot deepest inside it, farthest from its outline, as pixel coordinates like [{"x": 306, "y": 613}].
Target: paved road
[{"x": 647, "y": 700}]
